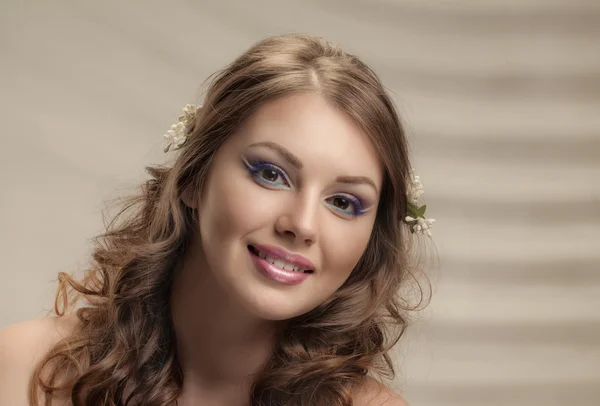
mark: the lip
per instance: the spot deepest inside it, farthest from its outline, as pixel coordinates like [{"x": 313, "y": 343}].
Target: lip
[
  {"x": 280, "y": 253},
  {"x": 276, "y": 274}
]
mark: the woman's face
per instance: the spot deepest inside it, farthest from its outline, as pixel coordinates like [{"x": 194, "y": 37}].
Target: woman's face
[{"x": 295, "y": 189}]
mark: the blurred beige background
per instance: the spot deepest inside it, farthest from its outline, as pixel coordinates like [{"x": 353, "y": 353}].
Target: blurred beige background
[{"x": 502, "y": 103}]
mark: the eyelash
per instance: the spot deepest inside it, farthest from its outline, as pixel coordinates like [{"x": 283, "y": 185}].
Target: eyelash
[{"x": 256, "y": 167}]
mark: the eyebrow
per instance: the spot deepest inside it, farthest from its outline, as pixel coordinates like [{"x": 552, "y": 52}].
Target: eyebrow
[
  {"x": 298, "y": 164},
  {"x": 356, "y": 180},
  {"x": 291, "y": 158}
]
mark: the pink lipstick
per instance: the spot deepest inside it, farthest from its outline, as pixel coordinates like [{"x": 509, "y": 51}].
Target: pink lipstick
[{"x": 279, "y": 265}]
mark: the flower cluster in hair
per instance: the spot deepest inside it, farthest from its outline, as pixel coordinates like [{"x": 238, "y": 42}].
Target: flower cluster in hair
[
  {"x": 178, "y": 134},
  {"x": 415, "y": 216}
]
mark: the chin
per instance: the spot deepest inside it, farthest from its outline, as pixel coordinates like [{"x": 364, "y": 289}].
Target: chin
[{"x": 267, "y": 304}]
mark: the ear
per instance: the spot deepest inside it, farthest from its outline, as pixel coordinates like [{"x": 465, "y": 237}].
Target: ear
[{"x": 189, "y": 197}]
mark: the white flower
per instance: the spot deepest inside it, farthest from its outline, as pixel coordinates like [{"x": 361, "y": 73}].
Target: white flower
[
  {"x": 177, "y": 135},
  {"x": 189, "y": 112},
  {"x": 420, "y": 224},
  {"x": 415, "y": 188}
]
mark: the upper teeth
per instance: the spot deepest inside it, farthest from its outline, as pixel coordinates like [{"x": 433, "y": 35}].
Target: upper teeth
[{"x": 280, "y": 263}]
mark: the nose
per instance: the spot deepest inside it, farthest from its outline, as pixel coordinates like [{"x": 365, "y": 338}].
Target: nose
[{"x": 299, "y": 222}]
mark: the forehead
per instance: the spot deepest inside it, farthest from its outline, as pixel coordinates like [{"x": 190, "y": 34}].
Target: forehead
[{"x": 315, "y": 131}]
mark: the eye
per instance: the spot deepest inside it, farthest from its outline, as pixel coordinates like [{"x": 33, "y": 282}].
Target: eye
[
  {"x": 271, "y": 175},
  {"x": 341, "y": 203},
  {"x": 268, "y": 174},
  {"x": 346, "y": 204}
]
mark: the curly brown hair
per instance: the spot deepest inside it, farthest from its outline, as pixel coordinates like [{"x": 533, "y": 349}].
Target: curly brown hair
[{"x": 123, "y": 350}]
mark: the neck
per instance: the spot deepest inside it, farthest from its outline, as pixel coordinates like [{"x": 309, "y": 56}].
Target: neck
[{"x": 219, "y": 343}]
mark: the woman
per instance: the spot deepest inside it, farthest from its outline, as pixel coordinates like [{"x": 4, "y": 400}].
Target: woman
[{"x": 261, "y": 269}]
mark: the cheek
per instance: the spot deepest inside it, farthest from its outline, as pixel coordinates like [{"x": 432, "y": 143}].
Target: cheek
[
  {"x": 232, "y": 208},
  {"x": 344, "y": 245}
]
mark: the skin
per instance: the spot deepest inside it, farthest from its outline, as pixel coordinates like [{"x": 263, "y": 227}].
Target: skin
[{"x": 304, "y": 210}]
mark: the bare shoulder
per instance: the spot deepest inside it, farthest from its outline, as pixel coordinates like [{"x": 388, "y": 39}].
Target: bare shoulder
[
  {"x": 22, "y": 347},
  {"x": 374, "y": 393}
]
